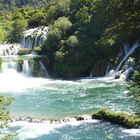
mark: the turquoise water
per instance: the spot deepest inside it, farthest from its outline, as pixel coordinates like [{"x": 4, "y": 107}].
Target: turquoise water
[{"x": 58, "y": 98}]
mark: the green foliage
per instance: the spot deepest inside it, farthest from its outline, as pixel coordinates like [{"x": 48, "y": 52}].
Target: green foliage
[
  {"x": 2, "y": 35},
  {"x": 85, "y": 32},
  {"x": 135, "y": 87},
  {"x": 56, "y": 33},
  {"x": 37, "y": 50},
  {"x": 58, "y": 8},
  {"x": 83, "y": 15},
  {"x": 54, "y": 37},
  {"x": 63, "y": 24},
  {"x": 123, "y": 23},
  {"x": 4, "y": 117},
  {"x": 19, "y": 26},
  {"x": 37, "y": 19},
  {"x": 122, "y": 119},
  {"x": 72, "y": 41},
  {"x": 12, "y": 4}
]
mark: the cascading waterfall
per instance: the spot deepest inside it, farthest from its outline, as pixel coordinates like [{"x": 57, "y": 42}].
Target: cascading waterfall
[
  {"x": 10, "y": 60},
  {"x": 26, "y": 68},
  {"x": 9, "y": 49},
  {"x": 131, "y": 50},
  {"x": 34, "y": 37},
  {"x": 107, "y": 70},
  {"x": 44, "y": 69},
  {"x": 128, "y": 51},
  {"x": 10, "y": 65}
]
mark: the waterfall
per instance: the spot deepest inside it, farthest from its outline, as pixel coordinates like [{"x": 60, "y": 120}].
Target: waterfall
[
  {"x": 34, "y": 37},
  {"x": 107, "y": 69},
  {"x": 127, "y": 51},
  {"x": 26, "y": 68},
  {"x": 126, "y": 73},
  {"x": 44, "y": 69},
  {"x": 130, "y": 51},
  {"x": 9, "y": 49},
  {"x": 10, "y": 65},
  {"x": 11, "y": 61}
]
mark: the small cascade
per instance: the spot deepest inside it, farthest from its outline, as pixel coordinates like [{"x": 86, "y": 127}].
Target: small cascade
[
  {"x": 9, "y": 49},
  {"x": 26, "y": 68},
  {"x": 44, "y": 69},
  {"x": 10, "y": 65},
  {"x": 131, "y": 50},
  {"x": 71, "y": 120},
  {"x": 127, "y": 51},
  {"x": 29, "y": 65},
  {"x": 107, "y": 69},
  {"x": 127, "y": 69},
  {"x": 34, "y": 37}
]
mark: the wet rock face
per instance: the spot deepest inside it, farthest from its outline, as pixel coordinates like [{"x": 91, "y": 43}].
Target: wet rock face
[{"x": 99, "y": 69}]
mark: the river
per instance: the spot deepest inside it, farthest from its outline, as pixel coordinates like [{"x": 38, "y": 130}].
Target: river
[{"x": 55, "y": 99}]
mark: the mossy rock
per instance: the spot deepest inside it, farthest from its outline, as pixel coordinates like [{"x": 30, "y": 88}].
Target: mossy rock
[
  {"x": 20, "y": 60},
  {"x": 37, "y": 50},
  {"x": 24, "y": 51},
  {"x": 122, "y": 119},
  {"x": 37, "y": 70},
  {"x": 117, "y": 76}
]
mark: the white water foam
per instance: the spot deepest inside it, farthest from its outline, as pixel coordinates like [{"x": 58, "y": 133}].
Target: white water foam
[
  {"x": 11, "y": 80},
  {"x": 132, "y": 132},
  {"x": 33, "y": 130},
  {"x": 9, "y": 49}
]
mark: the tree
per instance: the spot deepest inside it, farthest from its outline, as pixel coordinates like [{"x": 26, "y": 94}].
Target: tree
[
  {"x": 4, "y": 117},
  {"x": 72, "y": 41},
  {"x": 19, "y": 26},
  {"x": 37, "y": 19},
  {"x": 58, "y": 8}
]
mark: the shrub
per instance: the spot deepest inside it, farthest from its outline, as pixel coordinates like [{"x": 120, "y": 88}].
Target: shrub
[{"x": 72, "y": 41}]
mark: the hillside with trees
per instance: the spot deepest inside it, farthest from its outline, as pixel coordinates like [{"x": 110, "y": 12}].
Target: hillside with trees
[
  {"x": 83, "y": 37},
  {"x": 12, "y": 4}
]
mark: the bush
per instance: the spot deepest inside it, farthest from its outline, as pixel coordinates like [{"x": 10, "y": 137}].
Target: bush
[
  {"x": 4, "y": 117},
  {"x": 19, "y": 26},
  {"x": 72, "y": 41},
  {"x": 63, "y": 24}
]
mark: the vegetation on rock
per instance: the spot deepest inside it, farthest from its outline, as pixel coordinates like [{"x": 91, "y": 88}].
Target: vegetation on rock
[{"x": 122, "y": 119}]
